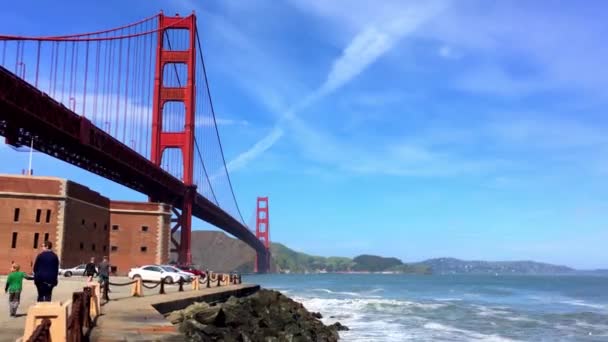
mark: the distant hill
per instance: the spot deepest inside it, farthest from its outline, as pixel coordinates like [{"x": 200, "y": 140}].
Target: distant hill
[
  {"x": 374, "y": 263},
  {"x": 217, "y": 251},
  {"x": 288, "y": 260},
  {"x": 456, "y": 266}
]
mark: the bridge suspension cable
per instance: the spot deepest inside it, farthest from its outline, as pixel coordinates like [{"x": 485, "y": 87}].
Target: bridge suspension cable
[{"x": 107, "y": 76}]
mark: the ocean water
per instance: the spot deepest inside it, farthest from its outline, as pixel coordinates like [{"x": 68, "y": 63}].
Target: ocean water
[{"x": 453, "y": 307}]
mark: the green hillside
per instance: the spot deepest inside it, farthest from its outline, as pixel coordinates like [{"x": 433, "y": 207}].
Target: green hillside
[
  {"x": 218, "y": 252},
  {"x": 288, "y": 260}
]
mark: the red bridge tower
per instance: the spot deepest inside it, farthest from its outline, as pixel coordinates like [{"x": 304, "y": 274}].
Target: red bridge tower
[
  {"x": 167, "y": 58},
  {"x": 262, "y": 227}
]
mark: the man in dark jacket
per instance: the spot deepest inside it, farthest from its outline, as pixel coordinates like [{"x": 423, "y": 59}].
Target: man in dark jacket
[{"x": 46, "y": 271}]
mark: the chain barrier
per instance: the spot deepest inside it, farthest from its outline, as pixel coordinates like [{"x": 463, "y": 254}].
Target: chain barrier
[
  {"x": 42, "y": 332},
  {"x": 143, "y": 283},
  {"x": 123, "y": 284}
]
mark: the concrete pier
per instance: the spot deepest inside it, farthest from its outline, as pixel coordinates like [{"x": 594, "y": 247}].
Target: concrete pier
[
  {"x": 124, "y": 318},
  {"x": 142, "y": 319}
]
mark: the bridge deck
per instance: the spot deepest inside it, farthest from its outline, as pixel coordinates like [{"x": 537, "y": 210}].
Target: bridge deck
[{"x": 59, "y": 132}]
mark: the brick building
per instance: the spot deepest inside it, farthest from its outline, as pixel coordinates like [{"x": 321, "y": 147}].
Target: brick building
[
  {"x": 78, "y": 222},
  {"x": 139, "y": 234}
]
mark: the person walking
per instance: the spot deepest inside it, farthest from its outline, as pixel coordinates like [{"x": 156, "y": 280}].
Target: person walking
[
  {"x": 104, "y": 273},
  {"x": 46, "y": 271},
  {"x": 14, "y": 286},
  {"x": 90, "y": 270}
]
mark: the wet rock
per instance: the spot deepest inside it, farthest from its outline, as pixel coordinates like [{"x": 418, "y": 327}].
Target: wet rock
[
  {"x": 339, "y": 327},
  {"x": 207, "y": 315},
  {"x": 264, "y": 316}
]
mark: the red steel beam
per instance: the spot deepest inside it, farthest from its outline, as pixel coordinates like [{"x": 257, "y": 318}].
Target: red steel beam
[{"x": 26, "y": 113}]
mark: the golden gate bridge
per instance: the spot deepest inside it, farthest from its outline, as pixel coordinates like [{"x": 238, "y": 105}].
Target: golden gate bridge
[{"x": 131, "y": 104}]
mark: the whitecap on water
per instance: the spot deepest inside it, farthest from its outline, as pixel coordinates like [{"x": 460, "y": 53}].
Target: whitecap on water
[
  {"x": 441, "y": 331},
  {"x": 346, "y": 293},
  {"x": 577, "y": 302}
]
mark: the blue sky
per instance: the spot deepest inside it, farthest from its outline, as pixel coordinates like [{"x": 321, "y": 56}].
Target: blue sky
[{"x": 470, "y": 129}]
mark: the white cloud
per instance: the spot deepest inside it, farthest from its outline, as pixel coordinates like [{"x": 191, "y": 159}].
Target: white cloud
[
  {"x": 259, "y": 147},
  {"x": 369, "y": 44}
]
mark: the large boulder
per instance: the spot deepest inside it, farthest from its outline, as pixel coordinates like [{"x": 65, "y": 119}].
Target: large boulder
[{"x": 264, "y": 316}]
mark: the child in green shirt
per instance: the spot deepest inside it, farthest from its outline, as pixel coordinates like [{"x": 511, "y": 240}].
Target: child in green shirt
[{"x": 14, "y": 285}]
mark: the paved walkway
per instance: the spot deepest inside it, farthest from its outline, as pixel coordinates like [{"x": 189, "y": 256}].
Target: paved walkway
[
  {"x": 12, "y": 328},
  {"x": 124, "y": 318},
  {"x": 136, "y": 319}
]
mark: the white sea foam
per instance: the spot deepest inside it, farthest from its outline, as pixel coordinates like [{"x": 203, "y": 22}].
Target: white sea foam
[
  {"x": 445, "y": 331},
  {"x": 346, "y": 293},
  {"x": 376, "y": 290},
  {"x": 577, "y": 302},
  {"x": 449, "y": 299},
  {"x": 354, "y": 313},
  {"x": 367, "y": 303},
  {"x": 485, "y": 311}
]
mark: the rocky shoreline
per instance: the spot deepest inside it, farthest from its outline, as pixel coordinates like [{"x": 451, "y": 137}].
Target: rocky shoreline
[{"x": 266, "y": 315}]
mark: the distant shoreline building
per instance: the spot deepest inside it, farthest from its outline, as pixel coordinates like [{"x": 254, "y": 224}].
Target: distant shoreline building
[{"x": 80, "y": 223}]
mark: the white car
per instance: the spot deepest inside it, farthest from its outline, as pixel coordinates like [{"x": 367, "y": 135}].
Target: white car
[
  {"x": 170, "y": 268},
  {"x": 77, "y": 271},
  {"x": 156, "y": 273}
]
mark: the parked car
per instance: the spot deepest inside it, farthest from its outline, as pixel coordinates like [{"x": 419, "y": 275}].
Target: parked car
[
  {"x": 156, "y": 273},
  {"x": 192, "y": 270},
  {"x": 170, "y": 268},
  {"x": 77, "y": 271}
]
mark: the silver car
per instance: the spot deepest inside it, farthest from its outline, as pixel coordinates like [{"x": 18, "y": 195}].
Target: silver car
[{"x": 77, "y": 271}]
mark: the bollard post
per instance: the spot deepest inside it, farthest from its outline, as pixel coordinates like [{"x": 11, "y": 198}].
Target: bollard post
[
  {"x": 55, "y": 311},
  {"x": 208, "y": 279},
  {"x": 95, "y": 307},
  {"x": 196, "y": 283},
  {"x": 181, "y": 284},
  {"x": 162, "y": 286},
  {"x": 240, "y": 280},
  {"x": 137, "y": 290},
  {"x": 219, "y": 278}
]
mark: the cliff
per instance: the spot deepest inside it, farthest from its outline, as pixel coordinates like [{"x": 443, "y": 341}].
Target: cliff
[{"x": 218, "y": 252}]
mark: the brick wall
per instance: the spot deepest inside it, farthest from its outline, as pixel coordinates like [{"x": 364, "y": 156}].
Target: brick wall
[
  {"x": 28, "y": 216},
  {"x": 80, "y": 224},
  {"x": 138, "y": 234},
  {"x": 86, "y": 226},
  {"x": 31, "y": 185}
]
